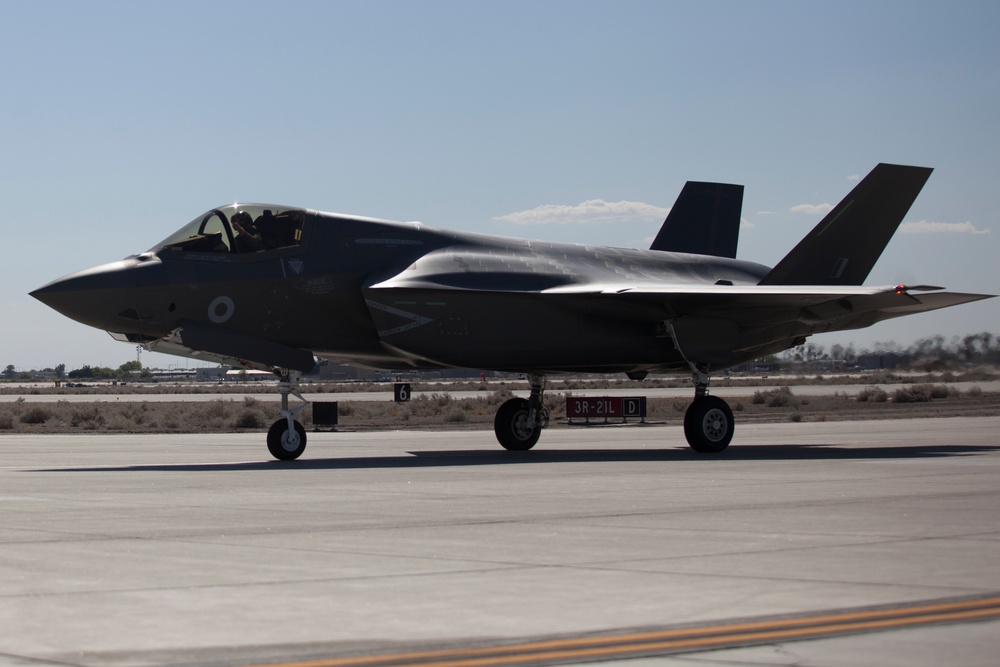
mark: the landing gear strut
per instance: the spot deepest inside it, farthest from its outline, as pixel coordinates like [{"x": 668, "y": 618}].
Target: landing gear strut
[
  {"x": 286, "y": 439},
  {"x": 708, "y": 422},
  {"x": 520, "y": 421}
]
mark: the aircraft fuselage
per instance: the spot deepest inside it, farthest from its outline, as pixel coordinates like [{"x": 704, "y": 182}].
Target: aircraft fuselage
[{"x": 326, "y": 293}]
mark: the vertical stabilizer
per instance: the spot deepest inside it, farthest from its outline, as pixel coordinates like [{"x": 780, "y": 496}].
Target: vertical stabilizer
[
  {"x": 705, "y": 220},
  {"x": 844, "y": 246}
]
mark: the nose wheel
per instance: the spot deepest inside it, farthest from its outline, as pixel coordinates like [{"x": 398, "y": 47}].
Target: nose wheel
[
  {"x": 286, "y": 439},
  {"x": 286, "y": 444}
]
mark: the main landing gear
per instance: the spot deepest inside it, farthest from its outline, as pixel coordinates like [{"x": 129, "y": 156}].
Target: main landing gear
[
  {"x": 708, "y": 422},
  {"x": 286, "y": 439},
  {"x": 520, "y": 421}
]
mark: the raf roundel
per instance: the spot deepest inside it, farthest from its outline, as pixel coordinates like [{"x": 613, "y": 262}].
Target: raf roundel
[{"x": 221, "y": 309}]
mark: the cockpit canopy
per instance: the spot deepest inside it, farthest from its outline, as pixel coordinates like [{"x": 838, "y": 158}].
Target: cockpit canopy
[{"x": 238, "y": 229}]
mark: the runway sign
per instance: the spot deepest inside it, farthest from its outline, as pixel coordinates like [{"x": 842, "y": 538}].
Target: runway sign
[{"x": 605, "y": 407}]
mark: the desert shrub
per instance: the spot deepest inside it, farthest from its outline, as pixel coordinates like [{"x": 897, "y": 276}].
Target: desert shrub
[
  {"x": 778, "y": 397},
  {"x": 6, "y": 422},
  {"x": 36, "y": 414},
  {"x": 555, "y": 403},
  {"x": 918, "y": 393},
  {"x": 872, "y": 395},
  {"x": 457, "y": 415},
  {"x": 938, "y": 391},
  {"x": 88, "y": 418},
  {"x": 738, "y": 406},
  {"x": 795, "y": 417},
  {"x": 441, "y": 400},
  {"x": 975, "y": 391},
  {"x": 502, "y": 394},
  {"x": 136, "y": 415},
  {"x": 116, "y": 422},
  {"x": 214, "y": 409},
  {"x": 248, "y": 419}
]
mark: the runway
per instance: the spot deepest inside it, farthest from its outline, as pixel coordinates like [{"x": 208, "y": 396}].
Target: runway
[{"x": 440, "y": 548}]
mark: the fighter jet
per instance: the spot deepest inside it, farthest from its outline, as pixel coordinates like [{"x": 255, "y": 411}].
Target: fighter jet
[{"x": 275, "y": 287}]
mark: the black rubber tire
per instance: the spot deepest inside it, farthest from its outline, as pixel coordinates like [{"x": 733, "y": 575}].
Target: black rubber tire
[
  {"x": 708, "y": 425},
  {"x": 511, "y": 426},
  {"x": 281, "y": 446}
]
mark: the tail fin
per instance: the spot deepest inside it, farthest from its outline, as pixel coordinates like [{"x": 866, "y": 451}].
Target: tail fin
[
  {"x": 844, "y": 246},
  {"x": 705, "y": 220}
]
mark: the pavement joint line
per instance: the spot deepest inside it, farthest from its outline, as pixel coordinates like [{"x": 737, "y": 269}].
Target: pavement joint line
[{"x": 681, "y": 640}]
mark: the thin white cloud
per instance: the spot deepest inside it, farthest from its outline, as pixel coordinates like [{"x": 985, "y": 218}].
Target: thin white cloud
[
  {"x": 746, "y": 224},
  {"x": 854, "y": 177},
  {"x": 925, "y": 227},
  {"x": 593, "y": 211},
  {"x": 812, "y": 209}
]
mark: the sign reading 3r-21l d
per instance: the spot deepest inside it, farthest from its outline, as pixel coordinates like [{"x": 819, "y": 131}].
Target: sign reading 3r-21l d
[{"x": 604, "y": 407}]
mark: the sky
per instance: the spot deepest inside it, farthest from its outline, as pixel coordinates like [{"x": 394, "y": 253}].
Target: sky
[{"x": 572, "y": 121}]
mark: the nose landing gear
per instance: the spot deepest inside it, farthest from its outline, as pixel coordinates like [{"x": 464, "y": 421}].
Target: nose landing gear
[{"x": 286, "y": 439}]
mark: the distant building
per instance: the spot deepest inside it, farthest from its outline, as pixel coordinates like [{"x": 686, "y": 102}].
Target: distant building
[{"x": 215, "y": 374}]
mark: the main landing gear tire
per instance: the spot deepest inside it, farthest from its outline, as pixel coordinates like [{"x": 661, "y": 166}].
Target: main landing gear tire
[
  {"x": 512, "y": 427},
  {"x": 708, "y": 425},
  {"x": 283, "y": 444}
]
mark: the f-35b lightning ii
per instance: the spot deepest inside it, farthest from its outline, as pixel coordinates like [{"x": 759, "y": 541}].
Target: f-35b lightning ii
[{"x": 274, "y": 287}]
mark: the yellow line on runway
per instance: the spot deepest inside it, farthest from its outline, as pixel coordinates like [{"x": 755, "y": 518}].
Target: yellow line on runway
[{"x": 676, "y": 640}]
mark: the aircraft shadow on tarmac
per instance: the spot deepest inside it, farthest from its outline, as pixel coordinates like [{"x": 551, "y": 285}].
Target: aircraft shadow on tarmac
[{"x": 449, "y": 458}]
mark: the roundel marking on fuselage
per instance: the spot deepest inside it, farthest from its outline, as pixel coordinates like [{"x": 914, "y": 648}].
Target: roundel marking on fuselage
[{"x": 221, "y": 309}]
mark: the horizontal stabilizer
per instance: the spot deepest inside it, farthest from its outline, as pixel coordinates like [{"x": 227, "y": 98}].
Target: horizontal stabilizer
[
  {"x": 705, "y": 220},
  {"x": 844, "y": 246}
]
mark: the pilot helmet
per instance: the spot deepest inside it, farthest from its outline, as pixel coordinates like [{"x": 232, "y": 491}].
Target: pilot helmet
[{"x": 244, "y": 219}]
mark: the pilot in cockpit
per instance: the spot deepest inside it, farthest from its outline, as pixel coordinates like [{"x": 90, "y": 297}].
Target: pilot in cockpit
[{"x": 247, "y": 240}]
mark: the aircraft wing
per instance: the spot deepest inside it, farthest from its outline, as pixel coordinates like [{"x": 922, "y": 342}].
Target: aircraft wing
[
  {"x": 817, "y": 303},
  {"x": 718, "y": 325},
  {"x": 839, "y": 308},
  {"x": 723, "y": 325}
]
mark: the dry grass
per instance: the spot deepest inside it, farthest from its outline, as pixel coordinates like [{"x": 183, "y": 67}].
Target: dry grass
[
  {"x": 135, "y": 417},
  {"x": 441, "y": 410},
  {"x": 556, "y": 384}
]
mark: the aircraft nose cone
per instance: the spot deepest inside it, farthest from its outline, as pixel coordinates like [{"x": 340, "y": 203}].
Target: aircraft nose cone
[{"x": 96, "y": 297}]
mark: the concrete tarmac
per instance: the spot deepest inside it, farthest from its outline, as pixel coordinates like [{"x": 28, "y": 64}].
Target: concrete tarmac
[{"x": 198, "y": 550}]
